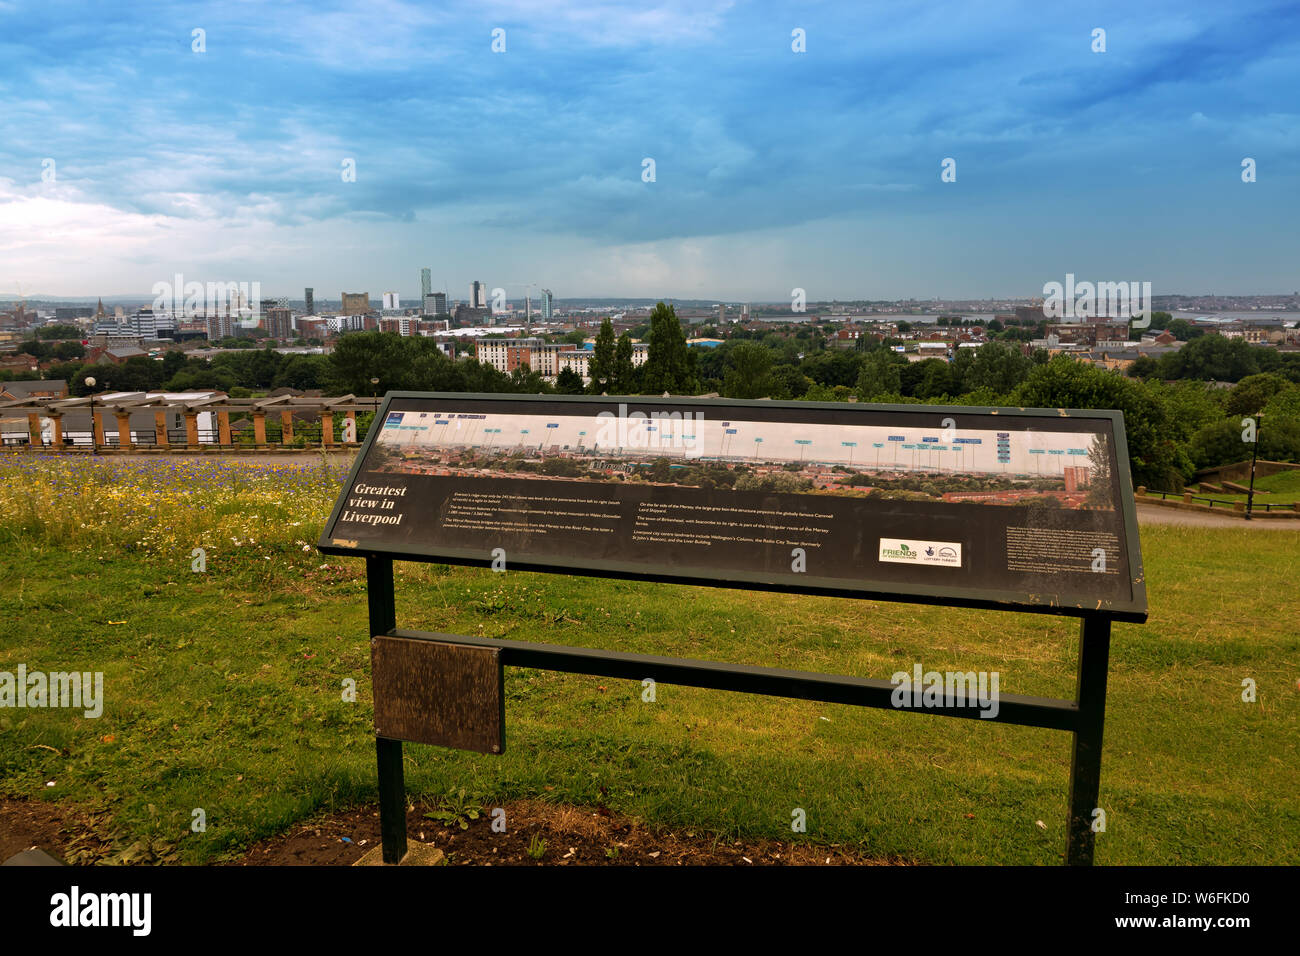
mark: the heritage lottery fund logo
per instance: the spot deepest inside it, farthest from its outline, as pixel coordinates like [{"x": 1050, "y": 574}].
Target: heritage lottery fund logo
[{"x": 943, "y": 553}]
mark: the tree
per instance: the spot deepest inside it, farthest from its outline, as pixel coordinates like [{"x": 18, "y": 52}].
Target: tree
[
  {"x": 568, "y": 382},
  {"x": 625, "y": 371},
  {"x": 600, "y": 368},
  {"x": 1183, "y": 330},
  {"x": 836, "y": 366},
  {"x": 1223, "y": 443},
  {"x": 996, "y": 366},
  {"x": 880, "y": 377},
  {"x": 1211, "y": 357},
  {"x": 1254, "y": 392},
  {"x": 1099, "y": 490},
  {"x": 59, "y": 331},
  {"x": 1191, "y": 405},
  {"x": 749, "y": 372},
  {"x": 37, "y": 349},
  {"x": 1156, "y": 458},
  {"x": 360, "y": 356},
  {"x": 937, "y": 379},
  {"x": 1144, "y": 366},
  {"x": 669, "y": 367},
  {"x": 790, "y": 382},
  {"x": 172, "y": 362},
  {"x": 302, "y": 372}
]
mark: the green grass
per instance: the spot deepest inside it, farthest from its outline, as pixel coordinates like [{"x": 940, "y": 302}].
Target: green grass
[
  {"x": 224, "y": 692},
  {"x": 1280, "y": 488}
]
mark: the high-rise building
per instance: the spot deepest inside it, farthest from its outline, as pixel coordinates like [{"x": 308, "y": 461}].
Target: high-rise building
[
  {"x": 440, "y": 303},
  {"x": 1077, "y": 477},
  {"x": 309, "y": 297},
  {"x": 392, "y": 302},
  {"x": 477, "y": 295},
  {"x": 147, "y": 323},
  {"x": 547, "y": 305},
  {"x": 426, "y": 283},
  {"x": 220, "y": 326},
  {"x": 278, "y": 323},
  {"x": 356, "y": 303}
]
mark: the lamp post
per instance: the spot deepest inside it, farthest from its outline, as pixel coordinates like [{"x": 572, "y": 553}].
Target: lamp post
[
  {"x": 90, "y": 383},
  {"x": 1254, "y": 454}
]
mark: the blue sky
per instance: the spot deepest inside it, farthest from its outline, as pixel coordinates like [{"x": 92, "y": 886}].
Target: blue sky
[{"x": 773, "y": 169}]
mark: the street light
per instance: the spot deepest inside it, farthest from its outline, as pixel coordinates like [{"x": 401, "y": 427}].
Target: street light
[
  {"x": 90, "y": 383},
  {"x": 1254, "y": 453}
]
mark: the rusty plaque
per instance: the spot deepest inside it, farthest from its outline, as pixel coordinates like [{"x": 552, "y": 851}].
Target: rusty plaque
[{"x": 429, "y": 692}]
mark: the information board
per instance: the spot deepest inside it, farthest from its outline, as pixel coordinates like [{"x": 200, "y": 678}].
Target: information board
[{"x": 1027, "y": 509}]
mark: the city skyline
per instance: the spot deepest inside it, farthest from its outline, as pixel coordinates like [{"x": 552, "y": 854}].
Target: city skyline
[{"x": 273, "y": 145}]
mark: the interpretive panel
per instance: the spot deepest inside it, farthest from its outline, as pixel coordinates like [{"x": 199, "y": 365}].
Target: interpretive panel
[{"x": 1023, "y": 508}]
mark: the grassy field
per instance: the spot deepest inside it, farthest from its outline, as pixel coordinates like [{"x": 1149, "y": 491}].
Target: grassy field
[
  {"x": 1280, "y": 488},
  {"x": 224, "y": 688}
]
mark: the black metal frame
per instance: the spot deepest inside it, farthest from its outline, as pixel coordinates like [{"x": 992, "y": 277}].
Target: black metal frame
[{"x": 1083, "y": 717}]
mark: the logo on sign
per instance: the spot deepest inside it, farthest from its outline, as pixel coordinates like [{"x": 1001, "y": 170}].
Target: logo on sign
[{"x": 943, "y": 553}]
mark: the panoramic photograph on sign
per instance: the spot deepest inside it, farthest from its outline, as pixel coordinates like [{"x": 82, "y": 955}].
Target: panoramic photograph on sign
[{"x": 1014, "y": 507}]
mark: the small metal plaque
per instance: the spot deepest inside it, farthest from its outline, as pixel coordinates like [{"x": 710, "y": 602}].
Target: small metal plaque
[{"x": 430, "y": 692}]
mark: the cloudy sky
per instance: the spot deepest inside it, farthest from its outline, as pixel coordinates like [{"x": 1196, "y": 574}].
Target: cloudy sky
[{"x": 126, "y": 156}]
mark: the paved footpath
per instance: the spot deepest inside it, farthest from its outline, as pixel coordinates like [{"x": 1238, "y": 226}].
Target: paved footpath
[{"x": 1155, "y": 514}]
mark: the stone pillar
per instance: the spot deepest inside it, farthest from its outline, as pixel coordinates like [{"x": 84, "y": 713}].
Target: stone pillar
[
  {"x": 286, "y": 427},
  {"x": 123, "y": 429},
  {"x": 160, "y": 429},
  {"x": 259, "y": 429},
  {"x": 58, "y": 430},
  {"x": 191, "y": 428},
  {"x": 34, "y": 427},
  {"x": 327, "y": 428},
  {"x": 223, "y": 428},
  {"x": 97, "y": 424}
]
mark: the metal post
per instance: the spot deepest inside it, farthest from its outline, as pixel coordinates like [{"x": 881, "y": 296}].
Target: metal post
[
  {"x": 1254, "y": 453},
  {"x": 1085, "y": 763},
  {"x": 392, "y": 784}
]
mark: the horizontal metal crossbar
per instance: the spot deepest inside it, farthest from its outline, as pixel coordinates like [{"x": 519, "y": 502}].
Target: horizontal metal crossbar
[{"x": 771, "y": 681}]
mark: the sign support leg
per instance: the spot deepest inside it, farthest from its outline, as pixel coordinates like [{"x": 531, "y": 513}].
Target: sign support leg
[
  {"x": 1085, "y": 763},
  {"x": 392, "y": 783},
  {"x": 392, "y": 799}
]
